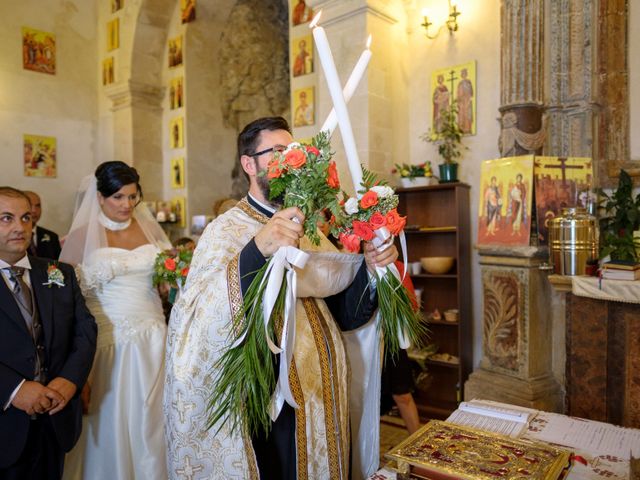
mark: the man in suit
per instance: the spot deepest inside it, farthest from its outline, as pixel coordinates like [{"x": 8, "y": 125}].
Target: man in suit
[
  {"x": 47, "y": 343},
  {"x": 44, "y": 243}
]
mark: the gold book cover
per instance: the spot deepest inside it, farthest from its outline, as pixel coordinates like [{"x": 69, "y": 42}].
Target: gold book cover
[{"x": 442, "y": 450}]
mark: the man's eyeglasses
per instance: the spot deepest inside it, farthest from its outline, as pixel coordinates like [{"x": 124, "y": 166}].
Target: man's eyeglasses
[{"x": 275, "y": 148}]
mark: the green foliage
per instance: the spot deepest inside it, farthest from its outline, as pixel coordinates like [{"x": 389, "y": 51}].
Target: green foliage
[
  {"x": 244, "y": 377},
  {"x": 397, "y": 314},
  {"x": 449, "y": 137},
  {"x": 622, "y": 218}
]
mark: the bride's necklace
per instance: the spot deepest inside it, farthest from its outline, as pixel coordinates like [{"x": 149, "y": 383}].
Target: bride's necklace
[{"x": 109, "y": 224}]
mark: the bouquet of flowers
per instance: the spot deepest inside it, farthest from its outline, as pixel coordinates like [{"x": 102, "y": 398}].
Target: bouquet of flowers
[
  {"x": 374, "y": 218},
  {"x": 304, "y": 176},
  {"x": 172, "y": 267}
]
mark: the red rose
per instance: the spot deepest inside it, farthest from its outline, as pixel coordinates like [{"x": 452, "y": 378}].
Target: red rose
[
  {"x": 350, "y": 241},
  {"x": 295, "y": 158},
  {"x": 377, "y": 220},
  {"x": 363, "y": 230},
  {"x": 369, "y": 199},
  {"x": 184, "y": 272},
  {"x": 395, "y": 222},
  {"x": 312, "y": 149},
  {"x": 170, "y": 264},
  {"x": 332, "y": 176},
  {"x": 273, "y": 169}
]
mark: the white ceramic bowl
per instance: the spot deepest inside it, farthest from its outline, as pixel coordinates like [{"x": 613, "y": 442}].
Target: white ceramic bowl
[{"x": 437, "y": 265}]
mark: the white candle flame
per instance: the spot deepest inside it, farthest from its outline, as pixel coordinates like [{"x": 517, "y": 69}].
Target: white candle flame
[
  {"x": 315, "y": 20},
  {"x": 369, "y": 42}
]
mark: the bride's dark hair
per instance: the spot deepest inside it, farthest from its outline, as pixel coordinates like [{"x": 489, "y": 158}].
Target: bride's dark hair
[{"x": 112, "y": 176}]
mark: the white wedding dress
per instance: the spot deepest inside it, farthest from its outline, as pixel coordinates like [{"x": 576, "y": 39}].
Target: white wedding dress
[{"x": 123, "y": 434}]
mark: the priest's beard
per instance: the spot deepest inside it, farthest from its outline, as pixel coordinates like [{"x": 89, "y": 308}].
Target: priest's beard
[{"x": 263, "y": 183}]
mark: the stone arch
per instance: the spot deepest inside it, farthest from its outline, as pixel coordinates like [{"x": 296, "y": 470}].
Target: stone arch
[{"x": 236, "y": 69}]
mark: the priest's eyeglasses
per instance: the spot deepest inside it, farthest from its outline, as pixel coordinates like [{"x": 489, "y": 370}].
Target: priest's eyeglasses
[{"x": 275, "y": 148}]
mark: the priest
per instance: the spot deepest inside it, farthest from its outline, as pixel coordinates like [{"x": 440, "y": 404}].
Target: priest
[{"x": 311, "y": 441}]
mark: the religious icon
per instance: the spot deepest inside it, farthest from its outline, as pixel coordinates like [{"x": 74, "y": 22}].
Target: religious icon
[
  {"x": 187, "y": 10},
  {"x": 108, "y": 76},
  {"x": 176, "y": 93},
  {"x": 177, "y": 172},
  {"x": 178, "y": 207},
  {"x": 504, "y": 209},
  {"x": 38, "y": 51},
  {"x": 560, "y": 183},
  {"x": 175, "y": 51},
  {"x": 176, "y": 132},
  {"x": 301, "y": 13},
  {"x": 302, "y": 55},
  {"x": 303, "y": 107},
  {"x": 39, "y": 156},
  {"x": 116, "y": 5},
  {"x": 113, "y": 34},
  {"x": 457, "y": 84}
]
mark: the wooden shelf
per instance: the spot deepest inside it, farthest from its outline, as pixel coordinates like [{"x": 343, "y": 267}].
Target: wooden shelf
[
  {"x": 439, "y": 363},
  {"x": 431, "y": 275},
  {"x": 431, "y": 321},
  {"x": 423, "y": 230},
  {"x": 444, "y": 207}
]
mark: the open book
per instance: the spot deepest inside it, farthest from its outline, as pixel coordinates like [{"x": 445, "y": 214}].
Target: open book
[{"x": 493, "y": 417}]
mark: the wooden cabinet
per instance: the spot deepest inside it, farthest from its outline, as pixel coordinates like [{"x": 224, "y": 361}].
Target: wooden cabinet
[{"x": 438, "y": 225}]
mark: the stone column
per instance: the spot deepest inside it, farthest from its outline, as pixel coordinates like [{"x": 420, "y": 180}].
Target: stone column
[
  {"x": 517, "y": 365},
  {"x": 137, "y": 120},
  {"x": 589, "y": 104},
  {"x": 522, "y": 72}
]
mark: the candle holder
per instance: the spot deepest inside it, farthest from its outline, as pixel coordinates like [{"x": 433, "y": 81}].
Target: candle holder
[{"x": 451, "y": 23}]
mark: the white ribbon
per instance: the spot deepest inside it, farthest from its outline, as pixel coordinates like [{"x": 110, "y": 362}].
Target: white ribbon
[
  {"x": 280, "y": 264},
  {"x": 381, "y": 242}
]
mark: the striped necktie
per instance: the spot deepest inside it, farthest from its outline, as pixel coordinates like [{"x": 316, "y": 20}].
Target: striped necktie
[{"x": 20, "y": 289}]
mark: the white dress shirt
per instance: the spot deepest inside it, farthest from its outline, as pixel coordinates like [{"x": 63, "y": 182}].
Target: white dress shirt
[{"x": 24, "y": 263}]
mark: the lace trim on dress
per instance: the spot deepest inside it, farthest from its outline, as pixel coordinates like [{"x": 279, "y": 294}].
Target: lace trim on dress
[{"x": 93, "y": 277}]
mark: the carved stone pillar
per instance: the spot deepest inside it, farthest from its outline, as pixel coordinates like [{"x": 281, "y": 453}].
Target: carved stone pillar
[
  {"x": 522, "y": 80},
  {"x": 517, "y": 349},
  {"x": 589, "y": 104},
  {"x": 137, "y": 120}
]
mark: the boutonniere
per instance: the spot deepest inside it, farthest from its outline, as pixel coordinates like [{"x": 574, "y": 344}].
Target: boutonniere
[
  {"x": 45, "y": 238},
  {"x": 54, "y": 276}
]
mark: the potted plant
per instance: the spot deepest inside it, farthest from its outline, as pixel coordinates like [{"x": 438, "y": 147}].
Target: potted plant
[
  {"x": 448, "y": 138},
  {"x": 414, "y": 175},
  {"x": 622, "y": 219}
]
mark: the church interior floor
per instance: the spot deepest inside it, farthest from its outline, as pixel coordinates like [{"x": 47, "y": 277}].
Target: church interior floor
[{"x": 392, "y": 432}]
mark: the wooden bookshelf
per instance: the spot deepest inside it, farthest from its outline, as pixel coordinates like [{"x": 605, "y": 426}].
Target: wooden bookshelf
[{"x": 438, "y": 220}]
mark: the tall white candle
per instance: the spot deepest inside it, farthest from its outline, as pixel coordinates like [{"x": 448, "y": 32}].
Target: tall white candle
[
  {"x": 340, "y": 106},
  {"x": 331, "y": 122}
]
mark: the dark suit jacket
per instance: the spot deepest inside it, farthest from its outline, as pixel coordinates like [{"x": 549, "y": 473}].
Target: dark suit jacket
[
  {"x": 70, "y": 342},
  {"x": 47, "y": 243}
]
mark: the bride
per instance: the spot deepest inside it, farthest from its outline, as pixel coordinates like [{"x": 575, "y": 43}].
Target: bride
[{"x": 114, "y": 241}]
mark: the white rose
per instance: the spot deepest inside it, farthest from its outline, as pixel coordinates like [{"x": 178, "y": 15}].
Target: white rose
[
  {"x": 291, "y": 146},
  {"x": 383, "y": 191},
  {"x": 351, "y": 206}
]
